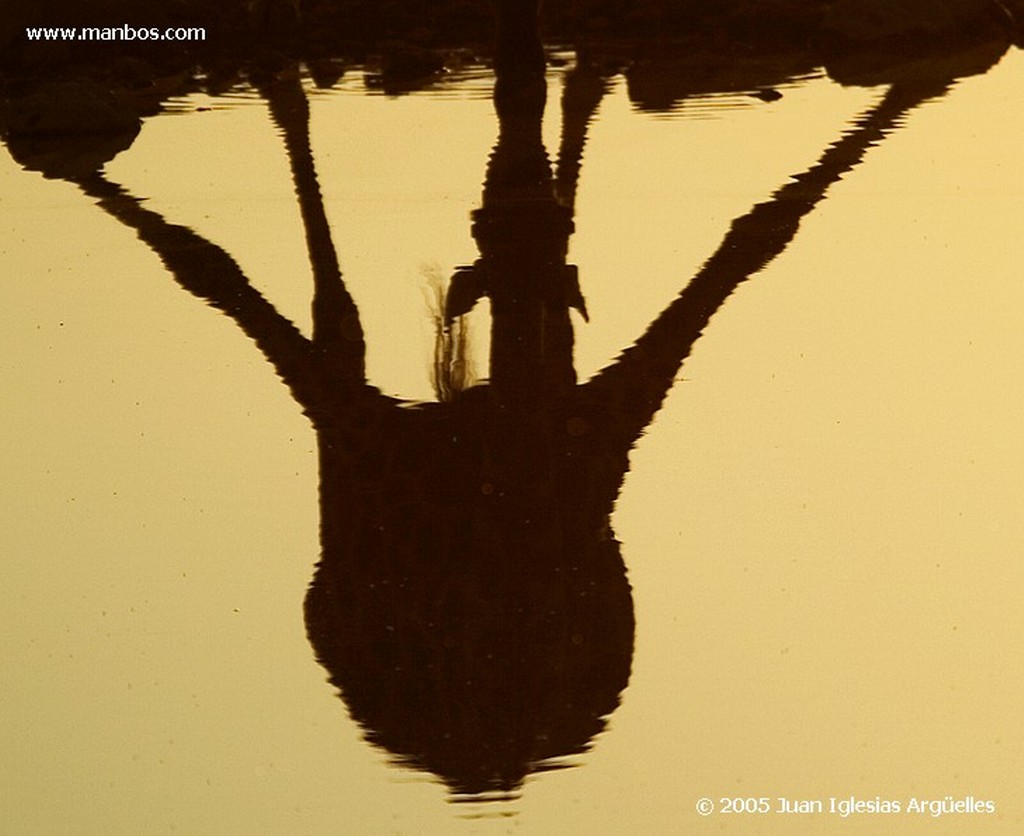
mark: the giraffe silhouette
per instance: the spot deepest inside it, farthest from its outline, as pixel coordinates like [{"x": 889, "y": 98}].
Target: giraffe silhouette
[{"x": 471, "y": 604}]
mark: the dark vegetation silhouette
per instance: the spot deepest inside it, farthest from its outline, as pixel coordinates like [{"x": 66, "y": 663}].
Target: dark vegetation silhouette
[
  {"x": 407, "y": 44},
  {"x": 307, "y": 28},
  {"x": 471, "y": 604}
]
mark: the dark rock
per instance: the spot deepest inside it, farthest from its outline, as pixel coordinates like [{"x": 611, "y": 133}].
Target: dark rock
[
  {"x": 68, "y": 156},
  {"x": 866, "y": 68},
  {"x": 326, "y": 72},
  {"x": 403, "y": 67},
  {"x": 661, "y": 82},
  {"x": 66, "y": 129},
  {"x": 872, "y": 21},
  {"x": 59, "y": 108},
  {"x": 405, "y": 62}
]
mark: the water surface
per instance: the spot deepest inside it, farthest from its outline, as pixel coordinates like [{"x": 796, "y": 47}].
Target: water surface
[{"x": 821, "y": 525}]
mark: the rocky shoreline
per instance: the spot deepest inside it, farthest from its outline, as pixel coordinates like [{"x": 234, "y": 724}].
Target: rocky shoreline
[
  {"x": 668, "y": 49},
  {"x": 317, "y": 29}
]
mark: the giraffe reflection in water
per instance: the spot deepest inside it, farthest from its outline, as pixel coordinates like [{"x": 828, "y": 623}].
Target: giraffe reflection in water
[{"x": 471, "y": 604}]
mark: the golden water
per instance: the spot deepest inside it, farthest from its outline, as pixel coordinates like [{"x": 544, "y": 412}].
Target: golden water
[{"x": 822, "y": 526}]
